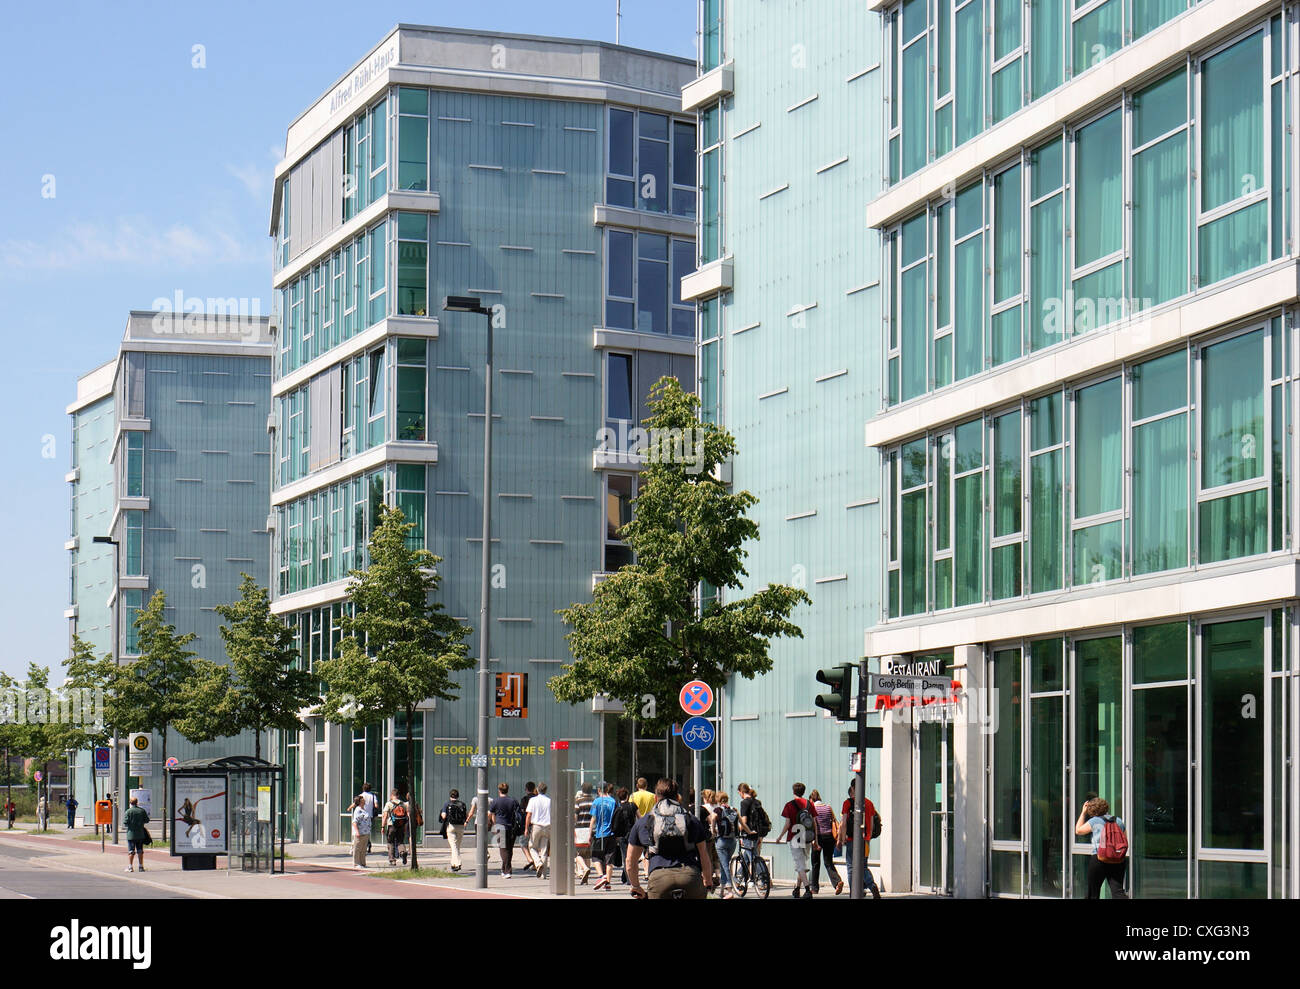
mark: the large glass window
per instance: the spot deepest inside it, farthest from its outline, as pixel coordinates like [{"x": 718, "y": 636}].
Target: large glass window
[
  {"x": 1159, "y": 820},
  {"x": 132, "y": 605},
  {"x": 1232, "y": 735},
  {"x": 710, "y": 178},
  {"x": 412, "y": 384},
  {"x": 1155, "y": 209},
  {"x": 412, "y": 264},
  {"x": 133, "y": 564},
  {"x": 1160, "y": 462},
  {"x": 365, "y": 158},
  {"x": 643, "y": 274},
  {"x": 651, "y": 162},
  {"x": 413, "y": 138},
  {"x": 1137, "y": 473},
  {"x": 1234, "y": 488},
  {"x": 1098, "y": 485},
  {"x": 1007, "y": 764},
  {"x": 134, "y": 473},
  {"x": 1099, "y": 722},
  {"x": 620, "y": 490},
  {"x": 411, "y": 497}
]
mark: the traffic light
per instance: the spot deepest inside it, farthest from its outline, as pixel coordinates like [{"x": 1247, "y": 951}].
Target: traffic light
[{"x": 840, "y": 680}]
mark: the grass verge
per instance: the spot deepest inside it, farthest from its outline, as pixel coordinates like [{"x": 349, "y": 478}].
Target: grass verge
[{"x": 415, "y": 874}]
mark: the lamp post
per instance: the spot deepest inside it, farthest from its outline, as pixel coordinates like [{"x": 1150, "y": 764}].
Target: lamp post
[
  {"x": 116, "y": 759},
  {"x": 472, "y": 304}
]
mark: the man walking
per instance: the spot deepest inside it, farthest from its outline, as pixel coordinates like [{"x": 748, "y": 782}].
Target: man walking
[
  {"x": 502, "y": 813},
  {"x": 371, "y": 803},
  {"x": 846, "y": 838},
  {"x": 453, "y": 816},
  {"x": 801, "y": 825},
  {"x": 530, "y": 791},
  {"x": 72, "y": 813},
  {"x": 537, "y": 824},
  {"x": 678, "y": 847},
  {"x": 643, "y": 798},
  {"x": 582, "y": 832},
  {"x": 603, "y": 844}
]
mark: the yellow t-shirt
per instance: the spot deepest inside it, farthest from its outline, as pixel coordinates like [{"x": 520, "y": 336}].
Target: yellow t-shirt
[{"x": 644, "y": 800}]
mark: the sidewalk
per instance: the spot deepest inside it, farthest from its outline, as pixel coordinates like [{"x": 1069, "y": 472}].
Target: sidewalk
[{"x": 316, "y": 871}]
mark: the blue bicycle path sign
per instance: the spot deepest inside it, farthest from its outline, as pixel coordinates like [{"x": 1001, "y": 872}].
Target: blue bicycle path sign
[{"x": 698, "y": 734}]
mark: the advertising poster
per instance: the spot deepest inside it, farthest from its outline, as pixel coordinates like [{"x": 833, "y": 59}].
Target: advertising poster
[
  {"x": 512, "y": 695},
  {"x": 199, "y": 817}
]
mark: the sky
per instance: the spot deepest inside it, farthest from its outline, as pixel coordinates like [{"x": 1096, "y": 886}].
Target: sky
[{"x": 130, "y": 173}]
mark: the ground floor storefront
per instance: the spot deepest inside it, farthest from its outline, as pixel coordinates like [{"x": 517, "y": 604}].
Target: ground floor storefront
[{"x": 1186, "y": 726}]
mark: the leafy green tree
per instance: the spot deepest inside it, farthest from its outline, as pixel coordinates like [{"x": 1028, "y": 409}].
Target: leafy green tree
[
  {"x": 150, "y": 693},
  {"x": 398, "y": 645},
  {"x": 645, "y": 630},
  {"x": 261, "y": 688}
]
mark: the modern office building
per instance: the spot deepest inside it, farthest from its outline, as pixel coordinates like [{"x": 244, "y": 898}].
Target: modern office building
[
  {"x": 788, "y": 97},
  {"x": 554, "y": 180},
  {"x": 170, "y": 459},
  {"x": 1066, "y": 326},
  {"x": 1087, "y": 441}
]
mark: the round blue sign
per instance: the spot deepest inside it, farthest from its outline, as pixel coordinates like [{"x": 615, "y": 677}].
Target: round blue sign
[{"x": 698, "y": 733}]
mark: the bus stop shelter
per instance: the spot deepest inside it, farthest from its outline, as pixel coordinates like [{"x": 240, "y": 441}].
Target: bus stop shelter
[{"x": 229, "y": 806}]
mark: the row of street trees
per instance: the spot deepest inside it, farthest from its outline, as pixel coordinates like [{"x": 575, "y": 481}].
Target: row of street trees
[{"x": 646, "y": 630}]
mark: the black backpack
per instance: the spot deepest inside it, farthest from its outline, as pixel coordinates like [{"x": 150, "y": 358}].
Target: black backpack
[
  {"x": 456, "y": 812},
  {"x": 725, "y": 820},
  {"x": 759, "y": 822},
  {"x": 876, "y": 826}
]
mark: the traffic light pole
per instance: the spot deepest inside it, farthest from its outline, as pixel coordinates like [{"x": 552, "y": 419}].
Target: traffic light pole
[{"x": 859, "y": 868}]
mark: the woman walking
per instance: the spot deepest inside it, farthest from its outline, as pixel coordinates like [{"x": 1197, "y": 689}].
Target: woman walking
[
  {"x": 1109, "y": 860},
  {"x": 725, "y": 828},
  {"x": 824, "y": 846}
]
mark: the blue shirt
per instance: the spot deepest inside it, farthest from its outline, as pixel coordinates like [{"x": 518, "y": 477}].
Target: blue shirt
[
  {"x": 602, "y": 816},
  {"x": 1098, "y": 825}
]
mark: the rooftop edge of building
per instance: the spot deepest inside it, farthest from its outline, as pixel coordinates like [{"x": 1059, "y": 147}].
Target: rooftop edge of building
[{"x": 415, "y": 46}]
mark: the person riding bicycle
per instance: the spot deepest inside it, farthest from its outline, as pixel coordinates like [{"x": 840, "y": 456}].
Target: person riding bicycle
[{"x": 678, "y": 846}]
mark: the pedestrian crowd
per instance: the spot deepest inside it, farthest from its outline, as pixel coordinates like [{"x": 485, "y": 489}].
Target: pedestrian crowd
[{"x": 653, "y": 842}]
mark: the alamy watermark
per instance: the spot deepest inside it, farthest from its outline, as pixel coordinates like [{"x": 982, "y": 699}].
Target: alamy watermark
[
  {"x": 81, "y": 706},
  {"x": 634, "y": 445},
  {"x": 183, "y": 315}
]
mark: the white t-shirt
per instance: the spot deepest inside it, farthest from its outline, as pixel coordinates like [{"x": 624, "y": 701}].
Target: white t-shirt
[
  {"x": 371, "y": 802},
  {"x": 540, "y": 809}
]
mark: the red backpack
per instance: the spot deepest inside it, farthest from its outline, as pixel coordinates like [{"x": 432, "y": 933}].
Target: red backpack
[{"x": 1114, "y": 842}]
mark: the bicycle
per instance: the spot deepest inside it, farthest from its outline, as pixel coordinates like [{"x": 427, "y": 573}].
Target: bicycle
[
  {"x": 741, "y": 873},
  {"x": 698, "y": 734}
]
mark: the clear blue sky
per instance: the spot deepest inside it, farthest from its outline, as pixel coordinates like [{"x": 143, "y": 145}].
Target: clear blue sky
[{"x": 162, "y": 176}]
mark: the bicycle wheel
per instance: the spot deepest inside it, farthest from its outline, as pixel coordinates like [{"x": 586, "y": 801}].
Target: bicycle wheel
[
  {"x": 762, "y": 879},
  {"x": 738, "y": 876}
]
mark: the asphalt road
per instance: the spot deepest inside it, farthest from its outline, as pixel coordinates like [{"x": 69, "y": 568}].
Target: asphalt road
[{"x": 24, "y": 876}]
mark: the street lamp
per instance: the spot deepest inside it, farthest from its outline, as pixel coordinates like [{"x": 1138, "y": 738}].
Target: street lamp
[
  {"x": 472, "y": 304},
  {"x": 117, "y": 660}
]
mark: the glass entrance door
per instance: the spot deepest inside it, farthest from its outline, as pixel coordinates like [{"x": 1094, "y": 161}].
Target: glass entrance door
[
  {"x": 932, "y": 750},
  {"x": 322, "y": 797}
]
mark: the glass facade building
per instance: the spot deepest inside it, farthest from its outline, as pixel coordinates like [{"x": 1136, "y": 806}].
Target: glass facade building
[
  {"x": 555, "y": 180},
  {"x": 171, "y": 459},
  {"x": 1086, "y": 442}
]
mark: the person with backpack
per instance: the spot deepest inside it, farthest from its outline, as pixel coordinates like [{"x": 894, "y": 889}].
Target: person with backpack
[
  {"x": 846, "y": 837},
  {"x": 755, "y": 825},
  {"x": 453, "y": 816},
  {"x": 801, "y": 825},
  {"x": 582, "y": 801},
  {"x": 678, "y": 848},
  {"x": 395, "y": 822},
  {"x": 823, "y": 846},
  {"x": 726, "y": 828},
  {"x": 537, "y": 824},
  {"x": 1109, "y": 861},
  {"x": 503, "y": 819},
  {"x": 624, "y": 820}
]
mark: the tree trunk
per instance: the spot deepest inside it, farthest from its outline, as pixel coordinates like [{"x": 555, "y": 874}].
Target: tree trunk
[
  {"x": 410, "y": 783},
  {"x": 257, "y": 743}
]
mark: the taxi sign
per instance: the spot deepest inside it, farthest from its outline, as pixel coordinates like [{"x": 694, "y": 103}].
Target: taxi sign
[{"x": 696, "y": 697}]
